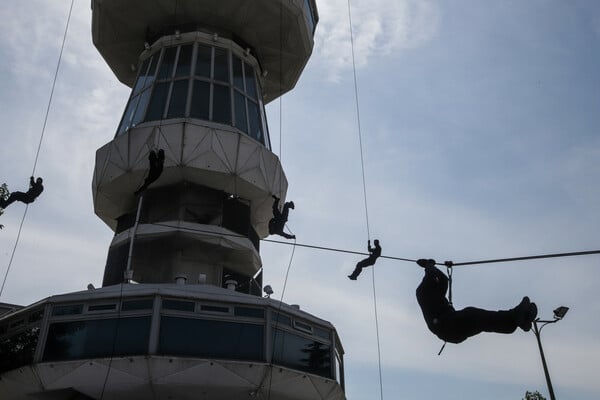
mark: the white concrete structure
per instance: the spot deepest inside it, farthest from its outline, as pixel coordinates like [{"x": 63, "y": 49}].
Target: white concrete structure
[{"x": 181, "y": 313}]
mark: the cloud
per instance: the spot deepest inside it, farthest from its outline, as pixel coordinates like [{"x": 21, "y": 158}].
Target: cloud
[{"x": 380, "y": 27}]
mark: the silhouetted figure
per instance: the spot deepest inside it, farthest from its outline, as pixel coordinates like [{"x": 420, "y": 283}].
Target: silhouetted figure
[
  {"x": 35, "y": 189},
  {"x": 456, "y": 326},
  {"x": 277, "y": 223},
  {"x": 375, "y": 253},
  {"x": 157, "y": 160}
]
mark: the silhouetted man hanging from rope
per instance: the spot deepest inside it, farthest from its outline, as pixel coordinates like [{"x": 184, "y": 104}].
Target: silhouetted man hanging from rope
[
  {"x": 277, "y": 223},
  {"x": 456, "y": 326},
  {"x": 35, "y": 189},
  {"x": 157, "y": 160},
  {"x": 375, "y": 252}
]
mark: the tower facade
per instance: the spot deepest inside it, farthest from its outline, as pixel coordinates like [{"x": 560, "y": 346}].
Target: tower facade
[
  {"x": 180, "y": 314},
  {"x": 201, "y": 73}
]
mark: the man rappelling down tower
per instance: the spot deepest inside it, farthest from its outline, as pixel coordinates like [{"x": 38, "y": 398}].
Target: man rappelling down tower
[
  {"x": 156, "y": 161},
  {"x": 277, "y": 223},
  {"x": 375, "y": 252},
  {"x": 456, "y": 326},
  {"x": 35, "y": 189}
]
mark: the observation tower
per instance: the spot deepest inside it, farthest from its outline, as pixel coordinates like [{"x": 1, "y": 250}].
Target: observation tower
[{"x": 181, "y": 312}]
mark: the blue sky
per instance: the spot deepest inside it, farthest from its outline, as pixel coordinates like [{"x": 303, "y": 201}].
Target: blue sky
[{"x": 480, "y": 126}]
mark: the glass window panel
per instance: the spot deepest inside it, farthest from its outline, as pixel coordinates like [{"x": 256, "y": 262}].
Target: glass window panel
[
  {"x": 218, "y": 309},
  {"x": 249, "y": 312},
  {"x": 178, "y": 305},
  {"x": 178, "y": 99},
  {"x": 140, "y": 111},
  {"x": 240, "y": 112},
  {"x": 36, "y": 316},
  {"x": 221, "y": 65},
  {"x": 221, "y": 104},
  {"x": 102, "y": 307},
  {"x": 255, "y": 130},
  {"x": 184, "y": 62},
  {"x": 302, "y": 326},
  {"x": 300, "y": 353},
  {"x": 18, "y": 350},
  {"x": 203, "y": 61},
  {"x": 250, "y": 80},
  {"x": 168, "y": 62},
  {"x": 128, "y": 115},
  {"x": 67, "y": 310},
  {"x": 132, "y": 305},
  {"x": 210, "y": 339},
  {"x": 152, "y": 71},
  {"x": 281, "y": 319},
  {"x": 141, "y": 80},
  {"x": 157, "y": 102},
  {"x": 97, "y": 338},
  {"x": 321, "y": 332},
  {"x": 238, "y": 75},
  {"x": 200, "y": 100}
]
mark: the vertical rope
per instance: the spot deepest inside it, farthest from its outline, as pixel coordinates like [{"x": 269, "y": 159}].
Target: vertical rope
[
  {"x": 362, "y": 164},
  {"x": 362, "y": 161},
  {"x": 37, "y": 154}
]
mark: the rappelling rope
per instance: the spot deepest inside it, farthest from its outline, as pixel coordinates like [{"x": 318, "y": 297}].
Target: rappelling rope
[
  {"x": 362, "y": 164},
  {"x": 37, "y": 154}
]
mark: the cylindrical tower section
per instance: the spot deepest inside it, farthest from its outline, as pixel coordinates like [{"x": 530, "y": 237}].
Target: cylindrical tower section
[{"x": 200, "y": 73}]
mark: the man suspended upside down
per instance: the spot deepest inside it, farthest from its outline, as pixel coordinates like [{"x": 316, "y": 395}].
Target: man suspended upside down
[
  {"x": 277, "y": 223},
  {"x": 455, "y": 326}
]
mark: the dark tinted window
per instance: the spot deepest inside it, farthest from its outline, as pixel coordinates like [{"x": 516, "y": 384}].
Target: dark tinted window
[
  {"x": 250, "y": 81},
  {"x": 184, "y": 63},
  {"x": 102, "y": 307},
  {"x": 221, "y": 65},
  {"x": 67, "y": 310},
  {"x": 141, "y": 80},
  {"x": 18, "y": 350},
  {"x": 132, "y": 305},
  {"x": 238, "y": 74},
  {"x": 281, "y": 319},
  {"x": 218, "y": 309},
  {"x": 240, "y": 112},
  {"x": 221, "y": 104},
  {"x": 254, "y": 130},
  {"x": 300, "y": 353},
  {"x": 97, "y": 338},
  {"x": 178, "y": 99},
  {"x": 157, "y": 102},
  {"x": 249, "y": 312},
  {"x": 178, "y": 305},
  {"x": 210, "y": 339},
  {"x": 166, "y": 66},
  {"x": 200, "y": 100},
  {"x": 203, "y": 61},
  {"x": 141, "y": 108}
]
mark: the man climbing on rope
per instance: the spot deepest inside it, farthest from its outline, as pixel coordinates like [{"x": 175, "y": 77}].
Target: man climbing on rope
[
  {"x": 456, "y": 326},
  {"x": 277, "y": 223},
  {"x": 157, "y": 161},
  {"x": 35, "y": 189},
  {"x": 375, "y": 252}
]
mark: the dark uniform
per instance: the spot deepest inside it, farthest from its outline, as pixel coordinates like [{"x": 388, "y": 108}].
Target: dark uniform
[
  {"x": 277, "y": 223},
  {"x": 35, "y": 189},
  {"x": 156, "y": 161},
  {"x": 375, "y": 253},
  {"x": 456, "y": 326}
]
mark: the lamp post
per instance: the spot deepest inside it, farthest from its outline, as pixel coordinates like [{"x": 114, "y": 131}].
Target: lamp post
[{"x": 559, "y": 314}]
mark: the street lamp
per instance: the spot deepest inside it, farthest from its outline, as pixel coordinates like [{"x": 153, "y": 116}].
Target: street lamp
[{"x": 559, "y": 314}]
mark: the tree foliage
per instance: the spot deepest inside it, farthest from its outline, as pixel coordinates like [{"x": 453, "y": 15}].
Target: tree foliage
[{"x": 533, "y": 396}]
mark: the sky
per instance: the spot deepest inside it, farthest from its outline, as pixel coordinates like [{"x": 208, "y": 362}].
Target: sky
[{"x": 480, "y": 135}]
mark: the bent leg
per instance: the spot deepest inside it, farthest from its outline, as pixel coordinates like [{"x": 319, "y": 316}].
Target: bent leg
[{"x": 15, "y": 196}]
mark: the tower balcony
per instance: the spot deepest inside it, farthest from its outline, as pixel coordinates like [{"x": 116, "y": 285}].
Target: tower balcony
[{"x": 167, "y": 341}]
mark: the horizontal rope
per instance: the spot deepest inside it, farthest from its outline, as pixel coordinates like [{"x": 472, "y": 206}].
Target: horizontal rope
[{"x": 310, "y": 246}]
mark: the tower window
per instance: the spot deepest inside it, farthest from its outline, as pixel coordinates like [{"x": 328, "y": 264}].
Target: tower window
[{"x": 197, "y": 81}]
